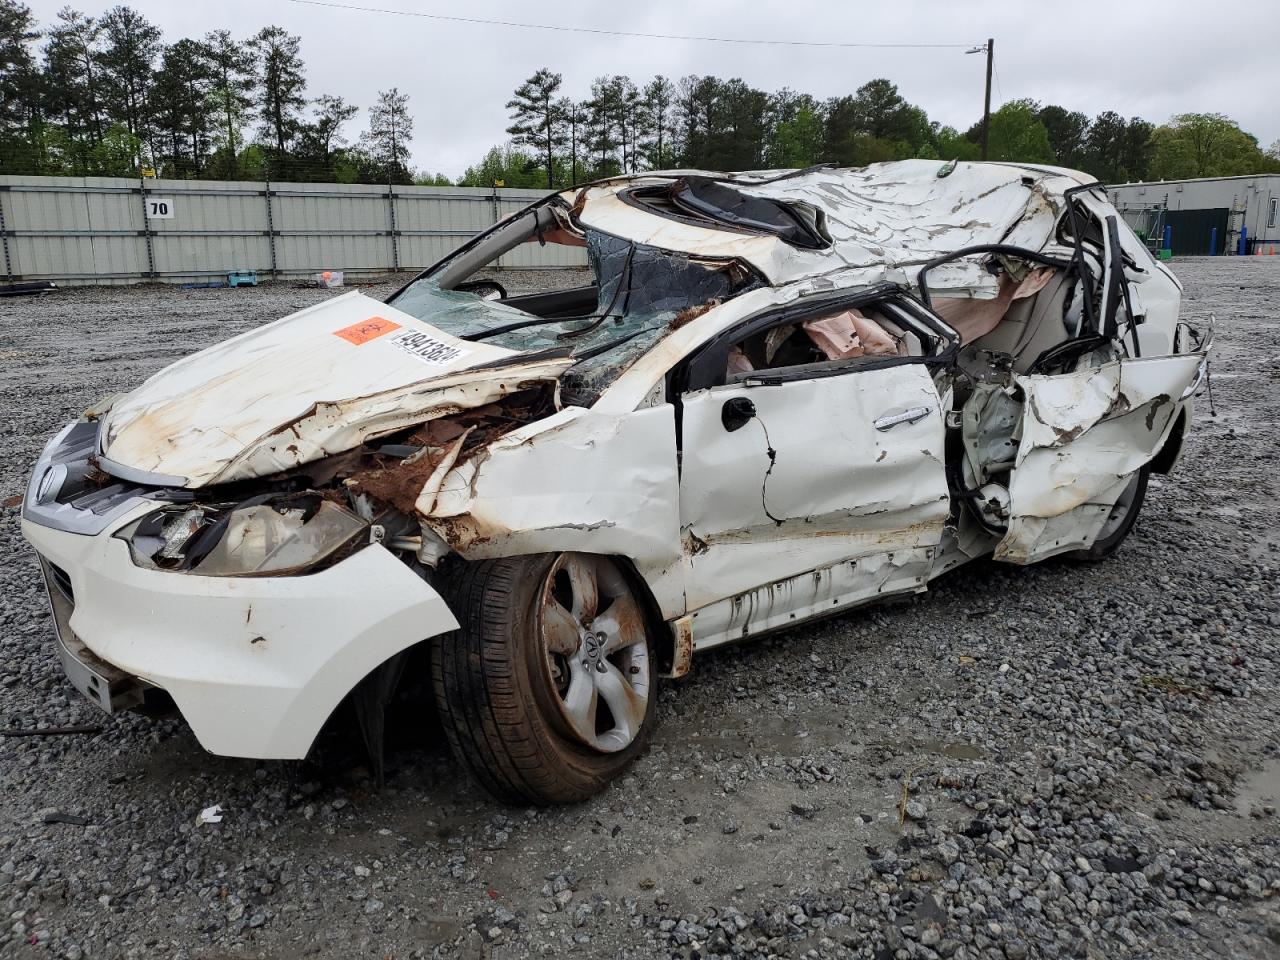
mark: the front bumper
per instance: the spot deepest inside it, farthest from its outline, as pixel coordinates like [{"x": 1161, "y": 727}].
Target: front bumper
[
  {"x": 255, "y": 664},
  {"x": 108, "y": 686}
]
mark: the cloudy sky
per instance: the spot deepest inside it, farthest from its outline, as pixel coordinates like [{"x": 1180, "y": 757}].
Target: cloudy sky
[{"x": 1135, "y": 58}]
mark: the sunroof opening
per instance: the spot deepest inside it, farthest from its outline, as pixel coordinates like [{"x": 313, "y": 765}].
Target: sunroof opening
[{"x": 713, "y": 203}]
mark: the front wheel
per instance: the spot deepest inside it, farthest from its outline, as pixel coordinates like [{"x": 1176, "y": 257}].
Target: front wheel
[
  {"x": 1119, "y": 521},
  {"x": 547, "y": 691}
]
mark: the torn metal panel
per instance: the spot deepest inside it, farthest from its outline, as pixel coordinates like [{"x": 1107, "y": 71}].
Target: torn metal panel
[
  {"x": 808, "y": 480},
  {"x": 1083, "y": 436},
  {"x": 873, "y": 216},
  {"x": 578, "y": 480}
]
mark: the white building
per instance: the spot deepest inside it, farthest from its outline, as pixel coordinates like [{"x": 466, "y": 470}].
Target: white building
[{"x": 1207, "y": 209}]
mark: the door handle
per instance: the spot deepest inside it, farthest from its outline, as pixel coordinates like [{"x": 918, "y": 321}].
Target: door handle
[{"x": 891, "y": 420}]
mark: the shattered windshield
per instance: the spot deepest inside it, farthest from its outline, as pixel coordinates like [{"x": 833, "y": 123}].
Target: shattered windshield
[{"x": 641, "y": 289}]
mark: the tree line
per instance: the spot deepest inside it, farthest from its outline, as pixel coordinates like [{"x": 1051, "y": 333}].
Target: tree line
[
  {"x": 714, "y": 124},
  {"x": 107, "y": 96}
]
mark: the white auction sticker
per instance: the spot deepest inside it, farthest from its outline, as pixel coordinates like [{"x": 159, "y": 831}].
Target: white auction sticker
[{"x": 427, "y": 348}]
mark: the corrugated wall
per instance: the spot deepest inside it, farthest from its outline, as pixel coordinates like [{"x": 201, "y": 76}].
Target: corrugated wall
[
  {"x": 95, "y": 230},
  {"x": 1250, "y": 196}
]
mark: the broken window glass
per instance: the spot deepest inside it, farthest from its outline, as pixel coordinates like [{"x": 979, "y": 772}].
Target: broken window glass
[{"x": 640, "y": 289}]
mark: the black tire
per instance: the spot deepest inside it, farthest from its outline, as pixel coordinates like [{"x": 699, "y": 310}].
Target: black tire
[
  {"x": 1107, "y": 545},
  {"x": 498, "y": 702}
]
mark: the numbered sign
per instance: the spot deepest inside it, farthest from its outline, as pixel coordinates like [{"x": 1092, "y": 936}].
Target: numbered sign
[{"x": 159, "y": 208}]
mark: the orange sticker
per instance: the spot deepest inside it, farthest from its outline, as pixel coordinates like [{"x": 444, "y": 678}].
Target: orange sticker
[{"x": 366, "y": 330}]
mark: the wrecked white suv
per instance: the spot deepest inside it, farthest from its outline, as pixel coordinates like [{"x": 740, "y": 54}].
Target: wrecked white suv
[{"x": 782, "y": 395}]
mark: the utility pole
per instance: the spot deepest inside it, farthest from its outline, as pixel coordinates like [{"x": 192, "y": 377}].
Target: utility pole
[
  {"x": 989, "y": 48},
  {"x": 986, "y": 105}
]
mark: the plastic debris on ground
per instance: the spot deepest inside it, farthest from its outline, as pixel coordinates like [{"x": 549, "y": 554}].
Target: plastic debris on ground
[{"x": 210, "y": 815}]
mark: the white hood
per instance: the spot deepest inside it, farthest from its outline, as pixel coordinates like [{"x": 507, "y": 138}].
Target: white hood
[{"x": 317, "y": 382}]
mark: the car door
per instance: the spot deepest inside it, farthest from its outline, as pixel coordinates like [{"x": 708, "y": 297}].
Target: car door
[{"x": 810, "y": 487}]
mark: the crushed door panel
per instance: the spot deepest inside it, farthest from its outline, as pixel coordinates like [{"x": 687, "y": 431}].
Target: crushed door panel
[{"x": 808, "y": 478}]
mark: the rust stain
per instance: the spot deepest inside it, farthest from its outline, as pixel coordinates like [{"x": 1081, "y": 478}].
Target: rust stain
[
  {"x": 689, "y": 314},
  {"x": 682, "y": 648},
  {"x": 399, "y": 483},
  {"x": 464, "y": 531},
  {"x": 694, "y": 544}
]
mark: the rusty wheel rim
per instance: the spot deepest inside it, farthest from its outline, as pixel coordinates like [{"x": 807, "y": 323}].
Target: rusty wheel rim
[{"x": 593, "y": 640}]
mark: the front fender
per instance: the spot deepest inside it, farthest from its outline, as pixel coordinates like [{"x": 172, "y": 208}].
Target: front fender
[{"x": 582, "y": 480}]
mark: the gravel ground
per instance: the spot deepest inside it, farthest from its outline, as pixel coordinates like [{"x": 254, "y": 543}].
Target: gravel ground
[{"x": 1089, "y": 755}]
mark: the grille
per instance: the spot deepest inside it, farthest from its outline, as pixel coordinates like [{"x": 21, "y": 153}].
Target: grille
[
  {"x": 59, "y": 580},
  {"x": 85, "y": 502}
]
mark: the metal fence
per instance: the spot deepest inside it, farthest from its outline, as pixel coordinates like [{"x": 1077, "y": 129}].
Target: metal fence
[{"x": 113, "y": 230}]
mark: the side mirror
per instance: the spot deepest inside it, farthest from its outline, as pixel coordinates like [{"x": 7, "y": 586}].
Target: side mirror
[{"x": 736, "y": 412}]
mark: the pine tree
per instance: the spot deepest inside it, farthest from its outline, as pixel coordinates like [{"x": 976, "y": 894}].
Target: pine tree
[
  {"x": 603, "y": 111},
  {"x": 184, "y": 127},
  {"x": 127, "y": 62},
  {"x": 573, "y": 119},
  {"x": 659, "y": 96},
  {"x": 324, "y": 133},
  {"x": 71, "y": 66},
  {"x": 17, "y": 32},
  {"x": 231, "y": 65},
  {"x": 279, "y": 87},
  {"x": 390, "y": 130},
  {"x": 536, "y": 118}
]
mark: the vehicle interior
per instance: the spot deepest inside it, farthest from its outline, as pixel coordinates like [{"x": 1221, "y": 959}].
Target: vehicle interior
[
  {"x": 876, "y": 327},
  {"x": 838, "y": 334},
  {"x": 545, "y": 224}
]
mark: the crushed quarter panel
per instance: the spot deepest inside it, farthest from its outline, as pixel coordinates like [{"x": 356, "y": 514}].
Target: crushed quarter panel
[{"x": 1083, "y": 435}]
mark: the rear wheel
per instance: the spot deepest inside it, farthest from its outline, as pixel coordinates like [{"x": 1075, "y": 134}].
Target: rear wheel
[
  {"x": 1119, "y": 521},
  {"x": 547, "y": 691}
]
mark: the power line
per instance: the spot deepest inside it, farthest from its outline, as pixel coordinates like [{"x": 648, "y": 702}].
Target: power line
[{"x": 629, "y": 33}]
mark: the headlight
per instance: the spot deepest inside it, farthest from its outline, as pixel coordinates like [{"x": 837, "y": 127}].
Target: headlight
[{"x": 259, "y": 537}]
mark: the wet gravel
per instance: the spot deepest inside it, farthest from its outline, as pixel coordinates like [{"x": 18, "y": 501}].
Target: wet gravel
[{"x": 1085, "y": 759}]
